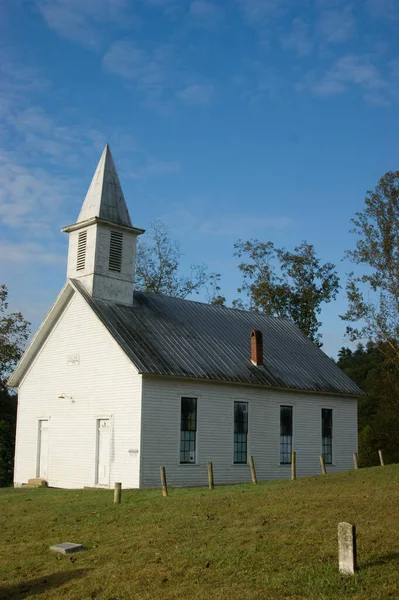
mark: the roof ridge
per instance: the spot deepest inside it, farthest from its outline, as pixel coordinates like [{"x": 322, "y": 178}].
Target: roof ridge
[{"x": 219, "y": 306}]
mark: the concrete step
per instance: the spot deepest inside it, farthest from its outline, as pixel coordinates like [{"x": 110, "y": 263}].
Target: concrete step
[{"x": 36, "y": 482}]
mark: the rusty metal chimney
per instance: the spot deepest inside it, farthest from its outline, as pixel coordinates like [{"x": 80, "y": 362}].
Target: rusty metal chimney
[{"x": 256, "y": 347}]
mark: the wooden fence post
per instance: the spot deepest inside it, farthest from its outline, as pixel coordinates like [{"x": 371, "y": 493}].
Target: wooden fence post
[
  {"x": 347, "y": 548},
  {"x": 117, "y": 493},
  {"x": 355, "y": 460},
  {"x": 210, "y": 476},
  {"x": 163, "y": 481},
  {"x": 381, "y": 458},
  {"x": 252, "y": 467},
  {"x": 293, "y": 465},
  {"x": 323, "y": 465}
]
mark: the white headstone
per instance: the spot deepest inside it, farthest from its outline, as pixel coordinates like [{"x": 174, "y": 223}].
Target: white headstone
[{"x": 347, "y": 548}]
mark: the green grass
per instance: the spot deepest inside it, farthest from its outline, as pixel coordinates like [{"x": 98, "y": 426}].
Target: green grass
[{"x": 276, "y": 540}]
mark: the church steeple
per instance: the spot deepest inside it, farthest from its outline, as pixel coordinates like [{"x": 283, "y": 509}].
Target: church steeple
[
  {"x": 105, "y": 198},
  {"x": 102, "y": 243}
]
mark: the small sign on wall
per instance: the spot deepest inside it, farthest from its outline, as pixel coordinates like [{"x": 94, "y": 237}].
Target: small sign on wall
[{"x": 73, "y": 359}]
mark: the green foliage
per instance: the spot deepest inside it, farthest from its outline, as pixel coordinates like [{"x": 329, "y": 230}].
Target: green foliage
[
  {"x": 378, "y": 376},
  {"x": 287, "y": 284},
  {"x": 373, "y": 295},
  {"x": 368, "y": 456},
  {"x": 14, "y": 331},
  {"x": 8, "y": 419},
  {"x": 158, "y": 269}
]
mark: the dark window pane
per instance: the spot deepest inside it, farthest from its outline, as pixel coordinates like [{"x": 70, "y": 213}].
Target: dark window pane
[
  {"x": 285, "y": 434},
  {"x": 326, "y": 434},
  {"x": 188, "y": 414},
  {"x": 240, "y": 432},
  {"x": 188, "y": 430},
  {"x": 286, "y": 420},
  {"x": 326, "y": 422}
]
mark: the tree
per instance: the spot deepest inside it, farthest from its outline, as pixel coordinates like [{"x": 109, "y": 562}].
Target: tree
[
  {"x": 14, "y": 331},
  {"x": 287, "y": 284},
  {"x": 373, "y": 295},
  {"x": 378, "y": 410},
  {"x": 158, "y": 268},
  {"x": 213, "y": 290}
]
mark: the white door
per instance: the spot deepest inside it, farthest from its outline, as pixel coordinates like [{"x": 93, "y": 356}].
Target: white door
[
  {"x": 103, "y": 451},
  {"x": 43, "y": 449}
]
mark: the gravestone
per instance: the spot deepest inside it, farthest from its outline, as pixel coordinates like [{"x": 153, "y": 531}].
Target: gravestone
[
  {"x": 347, "y": 548},
  {"x": 67, "y": 548}
]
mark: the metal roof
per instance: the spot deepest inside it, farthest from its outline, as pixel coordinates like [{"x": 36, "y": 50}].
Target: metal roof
[{"x": 181, "y": 338}]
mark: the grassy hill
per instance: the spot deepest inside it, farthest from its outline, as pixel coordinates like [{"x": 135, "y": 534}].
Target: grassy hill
[{"x": 276, "y": 540}]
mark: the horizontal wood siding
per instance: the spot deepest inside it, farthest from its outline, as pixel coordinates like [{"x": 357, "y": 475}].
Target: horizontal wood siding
[
  {"x": 161, "y": 430},
  {"x": 103, "y": 384}
]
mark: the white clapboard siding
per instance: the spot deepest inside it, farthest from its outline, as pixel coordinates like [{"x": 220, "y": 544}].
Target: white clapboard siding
[
  {"x": 80, "y": 359},
  {"x": 161, "y": 431}
]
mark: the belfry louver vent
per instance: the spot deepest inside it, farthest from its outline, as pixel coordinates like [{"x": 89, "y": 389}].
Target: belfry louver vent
[
  {"x": 115, "y": 251},
  {"x": 81, "y": 259}
]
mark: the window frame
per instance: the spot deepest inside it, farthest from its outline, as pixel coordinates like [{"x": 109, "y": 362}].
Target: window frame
[
  {"x": 196, "y": 398},
  {"x": 331, "y": 437},
  {"x": 291, "y": 406},
  {"x": 241, "y": 401}
]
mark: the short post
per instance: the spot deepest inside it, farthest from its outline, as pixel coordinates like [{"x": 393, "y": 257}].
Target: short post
[
  {"x": 163, "y": 481},
  {"x": 252, "y": 467},
  {"x": 355, "y": 461},
  {"x": 323, "y": 465},
  {"x": 381, "y": 458},
  {"x": 347, "y": 548},
  {"x": 210, "y": 476},
  {"x": 118, "y": 493},
  {"x": 293, "y": 465}
]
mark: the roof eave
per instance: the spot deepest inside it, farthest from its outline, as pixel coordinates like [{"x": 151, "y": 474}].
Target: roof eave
[
  {"x": 95, "y": 220},
  {"x": 354, "y": 396}
]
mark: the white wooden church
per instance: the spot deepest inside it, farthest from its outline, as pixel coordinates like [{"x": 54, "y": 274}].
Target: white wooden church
[{"x": 118, "y": 382}]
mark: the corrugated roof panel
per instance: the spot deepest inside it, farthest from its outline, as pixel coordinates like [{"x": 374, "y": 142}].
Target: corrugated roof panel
[{"x": 181, "y": 338}]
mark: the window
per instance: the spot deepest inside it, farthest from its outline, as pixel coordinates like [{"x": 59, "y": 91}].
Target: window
[
  {"x": 188, "y": 430},
  {"x": 240, "y": 432},
  {"x": 81, "y": 258},
  {"x": 326, "y": 434},
  {"x": 285, "y": 434},
  {"x": 115, "y": 251}
]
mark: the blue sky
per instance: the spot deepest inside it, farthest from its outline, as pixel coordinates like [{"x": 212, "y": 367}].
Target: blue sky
[{"x": 243, "y": 119}]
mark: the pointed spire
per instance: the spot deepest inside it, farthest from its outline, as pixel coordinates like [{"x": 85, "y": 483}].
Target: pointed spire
[{"x": 105, "y": 198}]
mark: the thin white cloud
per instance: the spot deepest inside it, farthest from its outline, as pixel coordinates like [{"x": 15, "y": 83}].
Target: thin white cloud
[
  {"x": 229, "y": 225},
  {"x": 261, "y": 82},
  {"x": 153, "y": 167},
  {"x": 299, "y": 39},
  {"x": 204, "y": 13},
  {"x": 30, "y": 253},
  {"x": 84, "y": 21},
  {"x": 30, "y": 198},
  {"x": 258, "y": 11},
  {"x": 148, "y": 71},
  {"x": 336, "y": 26},
  {"x": 197, "y": 94},
  {"x": 383, "y": 9},
  {"x": 358, "y": 71}
]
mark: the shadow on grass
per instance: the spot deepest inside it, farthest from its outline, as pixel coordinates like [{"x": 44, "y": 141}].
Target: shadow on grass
[
  {"x": 382, "y": 560},
  {"x": 40, "y": 585}
]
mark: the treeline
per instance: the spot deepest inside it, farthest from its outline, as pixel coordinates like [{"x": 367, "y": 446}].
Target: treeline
[{"x": 379, "y": 409}]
